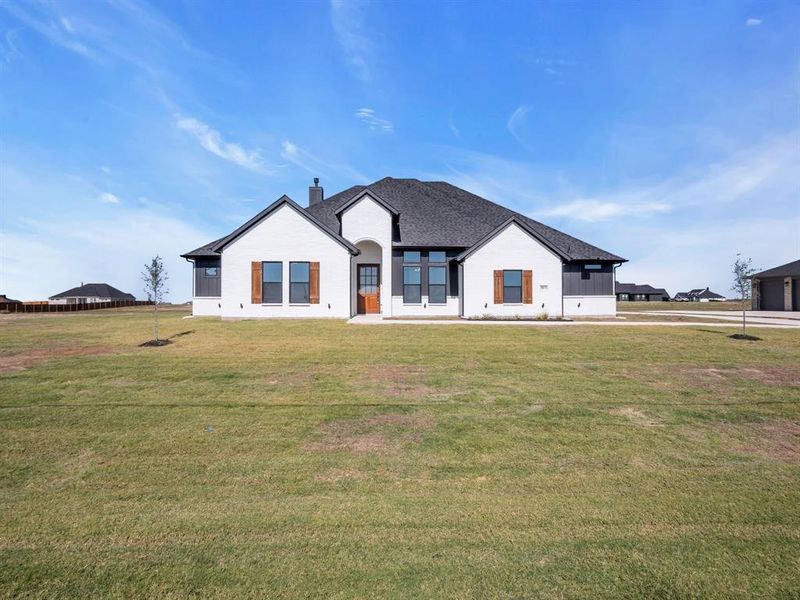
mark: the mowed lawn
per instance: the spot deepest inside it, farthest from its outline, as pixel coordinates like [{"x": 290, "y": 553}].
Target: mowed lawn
[{"x": 319, "y": 459}]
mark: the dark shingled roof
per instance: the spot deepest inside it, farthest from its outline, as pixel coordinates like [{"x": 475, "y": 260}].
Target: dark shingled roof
[
  {"x": 791, "y": 269},
  {"x": 438, "y": 214},
  {"x": 95, "y": 290},
  {"x": 633, "y": 288}
]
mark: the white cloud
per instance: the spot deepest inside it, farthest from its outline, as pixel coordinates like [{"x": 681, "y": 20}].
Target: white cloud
[
  {"x": 315, "y": 165},
  {"x": 375, "y": 123},
  {"x": 751, "y": 22},
  {"x": 517, "y": 120},
  {"x": 595, "y": 210},
  {"x": 347, "y": 19},
  {"x": 211, "y": 140},
  {"x": 109, "y": 198}
]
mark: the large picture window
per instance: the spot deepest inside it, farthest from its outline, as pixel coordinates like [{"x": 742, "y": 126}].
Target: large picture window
[
  {"x": 299, "y": 278},
  {"x": 412, "y": 284},
  {"x": 437, "y": 284},
  {"x": 512, "y": 287},
  {"x": 272, "y": 282}
]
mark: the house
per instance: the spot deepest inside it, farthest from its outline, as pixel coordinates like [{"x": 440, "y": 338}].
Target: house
[
  {"x": 6, "y": 300},
  {"x": 89, "y": 294},
  {"x": 632, "y": 292},
  {"x": 399, "y": 247},
  {"x": 777, "y": 288},
  {"x": 699, "y": 295}
]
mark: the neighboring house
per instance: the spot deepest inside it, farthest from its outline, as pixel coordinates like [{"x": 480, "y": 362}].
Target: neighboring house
[
  {"x": 631, "y": 292},
  {"x": 6, "y": 300},
  {"x": 399, "y": 247},
  {"x": 699, "y": 295},
  {"x": 777, "y": 288},
  {"x": 89, "y": 294}
]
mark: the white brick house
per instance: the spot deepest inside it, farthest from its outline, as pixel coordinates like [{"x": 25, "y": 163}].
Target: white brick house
[{"x": 399, "y": 247}]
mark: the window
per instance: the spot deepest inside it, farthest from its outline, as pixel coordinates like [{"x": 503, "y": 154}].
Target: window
[
  {"x": 411, "y": 256},
  {"x": 640, "y": 297},
  {"x": 299, "y": 282},
  {"x": 593, "y": 267},
  {"x": 437, "y": 256},
  {"x": 211, "y": 272},
  {"x": 623, "y": 297},
  {"x": 412, "y": 288},
  {"x": 272, "y": 282},
  {"x": 512, "y": 287},
  {"x": 437, "y": 287}
]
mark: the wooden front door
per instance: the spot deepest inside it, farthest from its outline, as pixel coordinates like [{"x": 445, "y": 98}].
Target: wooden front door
[{"x": 369, "y": 291}]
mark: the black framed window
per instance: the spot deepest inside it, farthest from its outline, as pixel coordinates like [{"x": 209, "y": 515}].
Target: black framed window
[
  {"x": 437, "y": 256},
  {"x": 512, "y": 287},
  {"x": 412, "y": 284},
  {"x": 411, "y": 256},
  {"x": 593, "y": 267},
  {"x": 623, "y": 296},
  {"x": 211, "y": 272},
  {"x": 437, "y": 284},
  {"x": 299, "y": 282},
  {"x": 272, "y": 282}
]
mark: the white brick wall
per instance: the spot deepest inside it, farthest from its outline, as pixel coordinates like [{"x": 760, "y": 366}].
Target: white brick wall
[
  {"x": 513, "y": 248},
  {"x": 286, "y": 236},
  {"x": 368, "y": 220},
  {"x": 206, "y": 306},
  {"x": 590, "y": 306},
  {"x": 424, "y": 309}
]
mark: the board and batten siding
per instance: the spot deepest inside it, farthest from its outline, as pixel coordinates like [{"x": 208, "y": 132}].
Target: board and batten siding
[
  {"x": 205, "y": 287},
  {"x": 425, "y": 308},
  {"x": 286, "y": 236},
  {"x": 512, "y": 248}
]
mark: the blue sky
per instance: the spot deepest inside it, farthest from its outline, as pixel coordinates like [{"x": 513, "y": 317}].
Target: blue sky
[{"x": 665, "y": 132}]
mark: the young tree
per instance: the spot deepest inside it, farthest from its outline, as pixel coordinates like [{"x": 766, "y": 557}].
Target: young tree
[
  {"x": 742, "y": 283},
  {"x": 155, "y": 286}
]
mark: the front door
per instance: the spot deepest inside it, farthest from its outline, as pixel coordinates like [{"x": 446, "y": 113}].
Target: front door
[{"x": 369, "y": 294}]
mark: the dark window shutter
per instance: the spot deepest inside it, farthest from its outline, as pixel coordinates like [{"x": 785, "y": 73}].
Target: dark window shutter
[
  {"x": 527, "y": 287},
  {"x": 498, "y": 287},
  {"x": 255, "y": 282},
  {"x": 313, "y": 294}
]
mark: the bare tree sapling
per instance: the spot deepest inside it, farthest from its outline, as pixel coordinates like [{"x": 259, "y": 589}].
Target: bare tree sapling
[
  {"x": 155, "y": 286},
  {"x": 742, "y": 284}
]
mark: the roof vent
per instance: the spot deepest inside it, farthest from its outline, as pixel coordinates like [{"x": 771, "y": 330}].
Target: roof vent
[{"x": 315, "y": 193}]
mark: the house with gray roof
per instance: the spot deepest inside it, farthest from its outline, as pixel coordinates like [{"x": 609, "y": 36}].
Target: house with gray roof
[
  {"x": 399, "y": 247},
  {"x": 90, "y": 293},
  {"x": 632, "y": 292},
  {"x": 777, "y": 288},
  {"x": 699, "y": 295}
]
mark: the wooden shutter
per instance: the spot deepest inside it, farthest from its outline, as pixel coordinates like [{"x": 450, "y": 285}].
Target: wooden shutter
[
  {"x": 313, "y": 293},
  {"x": 498, "y": 287},
  {"x": 255, "y": 282},
  {"x": 527, "y": 287}
]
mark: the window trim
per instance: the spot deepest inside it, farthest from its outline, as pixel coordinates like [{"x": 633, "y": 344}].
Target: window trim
[
  {"x": 265, "y": 283},
  {"x": 307, "y": 300},
  {"x": 207, "y": 276},
  {"x": 519, "y": 287},
  {"x": 418, "y": 286}
]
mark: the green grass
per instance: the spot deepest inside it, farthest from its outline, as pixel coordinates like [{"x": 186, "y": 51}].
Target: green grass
[{"x": 319, "y": 459}]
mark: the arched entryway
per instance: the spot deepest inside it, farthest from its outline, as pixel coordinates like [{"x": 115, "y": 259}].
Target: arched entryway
[{"x": 367, "y": 277}]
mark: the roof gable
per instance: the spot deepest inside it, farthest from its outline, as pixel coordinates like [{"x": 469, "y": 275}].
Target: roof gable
[
  {"x": 791, "y": 269},
  {"x": 493, "y": 234},
  {"x": 284, "y": 200},
  {"x": 360, "y": 196}
]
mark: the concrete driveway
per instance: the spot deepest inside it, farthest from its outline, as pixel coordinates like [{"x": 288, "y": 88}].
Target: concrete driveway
[{"x": 754, "y": 317}]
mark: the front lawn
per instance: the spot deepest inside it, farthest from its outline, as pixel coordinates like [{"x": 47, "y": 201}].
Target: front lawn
[{"x": 309, "y": 459}]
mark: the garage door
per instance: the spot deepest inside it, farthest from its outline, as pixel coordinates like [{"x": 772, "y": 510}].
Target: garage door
[{"x": 772, "y": 294}]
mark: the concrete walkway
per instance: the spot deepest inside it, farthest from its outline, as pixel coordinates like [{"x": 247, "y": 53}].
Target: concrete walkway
[
  {"x": 378, "y": 320},
  {"x": 761, "y": 317}
]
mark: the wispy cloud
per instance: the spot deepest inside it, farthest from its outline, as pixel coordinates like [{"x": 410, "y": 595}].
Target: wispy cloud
[
  {"x": 347, "y": 18},
  {"x": 9, "y": 46},
  {"x": 109, "y": 198},
  {"x": 375, "y": 123},
  {"x": 752, "y": 22},
  {"x": 292, "y": 153},
  {"x": 596, "y": 210},
  {"x": 211, "y": 140},
  {"x": 517, "y": 120}
]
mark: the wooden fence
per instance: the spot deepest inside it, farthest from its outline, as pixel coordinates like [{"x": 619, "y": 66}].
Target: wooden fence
[{"x": 43, "y": 307}]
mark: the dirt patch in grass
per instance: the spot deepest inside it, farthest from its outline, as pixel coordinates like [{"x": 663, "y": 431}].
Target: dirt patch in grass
[
  {"x": 400, "y": 381},
  {"x": 31, "y": 358},
  {"x": 778, "y": 439},
  {"x": 381, "y": 434},
  {"x": 336, "y": 475},
  {"x": 683, "y": 376},
  {"x": 635, "y": 416}
]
